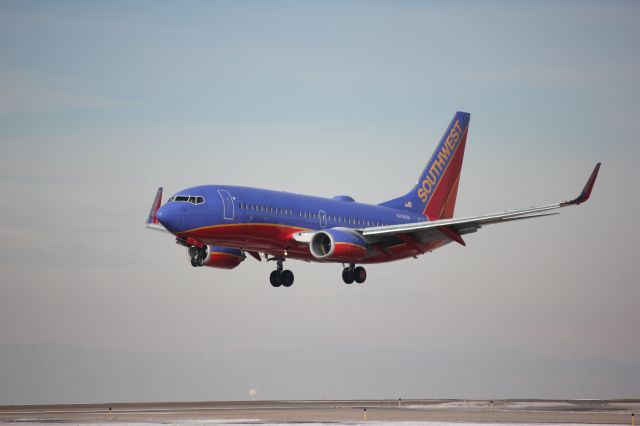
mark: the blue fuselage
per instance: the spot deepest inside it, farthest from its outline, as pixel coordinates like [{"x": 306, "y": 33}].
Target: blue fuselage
[{"x": 263, "y": 220}]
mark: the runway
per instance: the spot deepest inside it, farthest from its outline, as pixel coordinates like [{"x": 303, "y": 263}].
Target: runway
[{"x": 432, "y": 412}]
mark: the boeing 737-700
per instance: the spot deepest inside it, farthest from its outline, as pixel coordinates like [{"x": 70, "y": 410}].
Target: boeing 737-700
[{"x": 220, "y": 224}]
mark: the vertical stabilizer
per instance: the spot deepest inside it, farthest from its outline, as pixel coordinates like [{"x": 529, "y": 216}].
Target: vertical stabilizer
[{"x": 435, "y": 193}]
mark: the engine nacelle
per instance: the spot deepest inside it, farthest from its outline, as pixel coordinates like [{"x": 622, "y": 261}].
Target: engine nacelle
[
  {"x": 338, "y": 244},
  {"x": 220, "y": 257}
]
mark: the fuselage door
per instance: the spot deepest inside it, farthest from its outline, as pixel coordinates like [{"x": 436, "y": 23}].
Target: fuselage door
[
  {"x": 227, "y": 204},
  {"x": 323, "y": 219}
]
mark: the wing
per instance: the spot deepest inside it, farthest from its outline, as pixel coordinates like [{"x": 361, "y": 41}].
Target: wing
[
  {"x": 152, "y": 220},
  {"x": 420, "y": 233}
]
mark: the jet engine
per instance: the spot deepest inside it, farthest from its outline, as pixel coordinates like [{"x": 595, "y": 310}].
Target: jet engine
[
  {"x": 338, "y": 244},
  {"x": 218, "y": 257}
]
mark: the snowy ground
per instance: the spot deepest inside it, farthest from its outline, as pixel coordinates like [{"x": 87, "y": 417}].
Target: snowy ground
[
  {"x": 576, "y": 405},
  {"x": 26, "y": 422}
]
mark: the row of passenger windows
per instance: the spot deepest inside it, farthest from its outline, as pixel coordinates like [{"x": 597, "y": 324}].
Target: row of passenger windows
[
  {"x": 310, "y": 215},
  {"x": 187, "y": 199},
  {"x": 266, "y": 209}
]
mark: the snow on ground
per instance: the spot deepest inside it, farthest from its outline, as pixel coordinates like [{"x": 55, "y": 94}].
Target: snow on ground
[
  {"x": 26, "y": 422},
  {"x": 596, "y": 405}
]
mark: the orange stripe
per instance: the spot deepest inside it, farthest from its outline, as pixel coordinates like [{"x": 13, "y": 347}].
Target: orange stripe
[
  {"x": 464, "y": 135},
  {"x": 220, "y": 253},
  {"x": 245, "y": 224}
]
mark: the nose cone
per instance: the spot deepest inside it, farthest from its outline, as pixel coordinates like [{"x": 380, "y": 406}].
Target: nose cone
[{"x": 168, "y": 216}]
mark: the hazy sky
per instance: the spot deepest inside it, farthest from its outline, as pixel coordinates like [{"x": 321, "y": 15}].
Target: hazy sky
[{"x": 102, "y": 102}]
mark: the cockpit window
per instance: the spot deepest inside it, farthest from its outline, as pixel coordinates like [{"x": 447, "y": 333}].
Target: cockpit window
[{"x": 186, "y": 199}]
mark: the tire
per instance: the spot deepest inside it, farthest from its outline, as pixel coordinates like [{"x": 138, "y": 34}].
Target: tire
[
  {"x": 347, "y": 275},
  {"x": 286, "y": 278},
  {"x": 194, "y": 261},
  {"x": 360, "y": 274},
  {"x": 274, "y": 279}
]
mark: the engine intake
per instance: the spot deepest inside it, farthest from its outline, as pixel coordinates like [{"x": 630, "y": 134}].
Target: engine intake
[
  {"x": 219, "y": 257},
  {"x": 338, "y": 244}
]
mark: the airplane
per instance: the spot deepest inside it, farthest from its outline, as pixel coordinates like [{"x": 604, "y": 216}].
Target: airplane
[{"x": 220, "y": 224}]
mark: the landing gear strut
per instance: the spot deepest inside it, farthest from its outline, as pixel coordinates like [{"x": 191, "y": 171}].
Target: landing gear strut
[
  {"x": 281, "y": 277},
  {"x": 354, "y": 273}
]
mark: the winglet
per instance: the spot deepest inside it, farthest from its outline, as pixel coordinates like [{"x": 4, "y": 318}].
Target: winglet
[
  {"x": 152, "y": 219},
  {"x": 586, "y": 191}
]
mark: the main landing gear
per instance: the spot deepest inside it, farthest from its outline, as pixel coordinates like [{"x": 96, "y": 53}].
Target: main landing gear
[
  {"x": 281, "y": 277},
  {"x": 354, "y": 273}
]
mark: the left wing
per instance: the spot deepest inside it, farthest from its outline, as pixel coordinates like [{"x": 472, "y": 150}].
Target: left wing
[{"x": 424, "y": 232}]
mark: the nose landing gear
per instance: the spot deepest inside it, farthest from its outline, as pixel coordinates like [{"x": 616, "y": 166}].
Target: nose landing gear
[
  {"x": 354, "y": 273},
  {"x": 281, "y": 277}
]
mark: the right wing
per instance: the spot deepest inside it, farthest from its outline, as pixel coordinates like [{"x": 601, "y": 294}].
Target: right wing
[
  {"x": 152, "y": 220},
  {"x": 453, "y": 229}
]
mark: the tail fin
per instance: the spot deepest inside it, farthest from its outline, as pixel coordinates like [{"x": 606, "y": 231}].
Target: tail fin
[{"x": 435, "y": 193}]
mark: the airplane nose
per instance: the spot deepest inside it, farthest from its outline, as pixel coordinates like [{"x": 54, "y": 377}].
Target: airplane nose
[{"x": 168, "y": 217}]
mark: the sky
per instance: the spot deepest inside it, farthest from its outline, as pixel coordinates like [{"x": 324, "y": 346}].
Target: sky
[{"x": 103, "y": 102}]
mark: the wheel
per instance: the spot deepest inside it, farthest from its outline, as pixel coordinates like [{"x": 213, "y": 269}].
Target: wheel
[
  {"x": 286, "y": 278},
  {"x": 347, "y": 275},
  {"x": 274, "y": 278},
  {"x": 360, "y": 274},
  {"x": 194, "y": 261}
]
